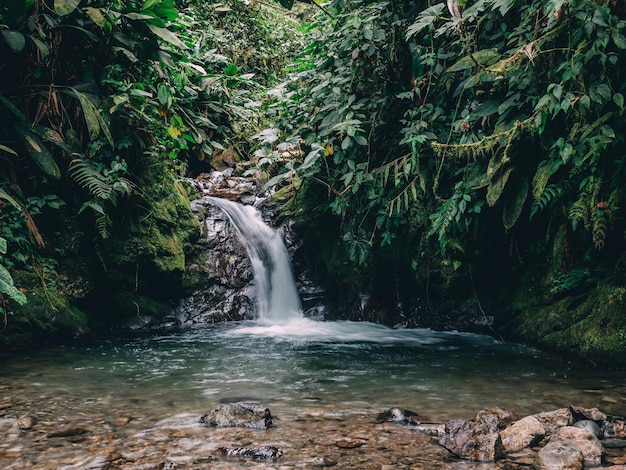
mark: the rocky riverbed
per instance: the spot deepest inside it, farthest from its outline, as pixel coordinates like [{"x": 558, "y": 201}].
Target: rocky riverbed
[{"x": 42, "y": 431}]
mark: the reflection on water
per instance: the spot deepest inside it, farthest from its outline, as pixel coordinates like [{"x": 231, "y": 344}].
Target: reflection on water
[{"x": 340, "y": 365}]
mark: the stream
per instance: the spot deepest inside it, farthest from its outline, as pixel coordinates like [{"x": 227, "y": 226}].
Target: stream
[{"x": 135, "y": 402}]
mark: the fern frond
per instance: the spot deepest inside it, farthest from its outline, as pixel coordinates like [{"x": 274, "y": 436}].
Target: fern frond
[
  {"x": 599, "y": 229},
  {"x": 580, "y": 212},
  {"x": 550, "y": 195},
  {"x": 89, "y": 175},
  {"x": 540, "y": 181}
]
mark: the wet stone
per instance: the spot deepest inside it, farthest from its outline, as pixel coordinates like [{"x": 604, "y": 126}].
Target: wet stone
[{"x": 256, "y": 453}]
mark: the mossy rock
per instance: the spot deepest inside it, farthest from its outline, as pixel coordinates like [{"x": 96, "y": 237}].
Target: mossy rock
[
  {"x": 591, "y": 325},
  {"x": 48, "y": 316}
]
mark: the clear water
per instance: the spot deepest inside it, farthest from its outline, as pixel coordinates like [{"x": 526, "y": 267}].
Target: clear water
[
  {"x": 140, "y": 397},
  {"x": 340, "y": 366}
]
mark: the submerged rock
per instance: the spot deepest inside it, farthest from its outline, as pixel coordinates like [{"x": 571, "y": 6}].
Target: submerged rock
[
  {"x": 400, "y": 415},
  {"x": 240, "y": 414},
  {"x": 256, "y": 453}
]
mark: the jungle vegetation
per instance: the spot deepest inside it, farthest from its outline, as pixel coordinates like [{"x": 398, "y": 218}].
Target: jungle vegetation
[{"x": 422, "y": 145}]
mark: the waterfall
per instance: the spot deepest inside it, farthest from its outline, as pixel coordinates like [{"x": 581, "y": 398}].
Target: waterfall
[{"x": 276, "y": 293}]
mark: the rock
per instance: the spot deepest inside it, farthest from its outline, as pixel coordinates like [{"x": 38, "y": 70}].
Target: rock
[
  {"x": 26, "y": 422},
  {"x": 589, "y": 426},
  {"x": 69, "y": 430},
  {"x": 559, "y": 456},
  {"x": 479, "y": 438},
  {"x": 553, "y": 420},
  {"x": 241, "y": 414},
  {"x": 523, "y": 433},
  {"x": 350, "y": 443},
  {"x": 322, "y": 462},
  {"x": 257, "y": 453},
  {"x": 592, "y": 414},
  {"x": 614, "y": 427},
  {"x": 400, "y": 415},
  {"x": 475, "y": 440},
  {"x": 582, "y": 440}
]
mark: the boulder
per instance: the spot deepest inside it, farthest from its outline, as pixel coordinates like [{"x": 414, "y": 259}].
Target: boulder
[
  {"x": 523, "y": 433},
  {"x": 472, "y": 440},
  {"x": 240, "y": 414},
  {"x": 582, "y": 440},
  {"x": 553, "y": 420},
  {"x": 559, "y": 455},
  {"x": 589, "y": 426}
]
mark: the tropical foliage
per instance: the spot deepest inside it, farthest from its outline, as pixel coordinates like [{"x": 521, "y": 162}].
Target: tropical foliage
[
  {"x": 460, "y": 134},
  {"x": 105, "y": 103}
]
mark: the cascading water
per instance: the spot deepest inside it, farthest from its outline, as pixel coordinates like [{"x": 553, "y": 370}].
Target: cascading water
[{"x": 277, "y": 297}]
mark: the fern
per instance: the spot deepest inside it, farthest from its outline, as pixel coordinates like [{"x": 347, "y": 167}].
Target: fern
[
  {"x": 599, "y": 229},
  {"x": 550, "y": 195},
  {"x": 580, "y": 212},
  {"x": 105, "y": 185}
]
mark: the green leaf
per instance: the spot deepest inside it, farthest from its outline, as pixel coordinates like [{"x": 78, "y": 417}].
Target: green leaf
[
  {"x": 15, "y": 40},
  {"x": 494, "y": 191},
  {"x": 96, "y": 15},
  {"x": 514, "y": 204},
  {"x": 425, "y": 19},
  {"x": 482, "y": 58},
  {"x": 7, "y": 287},
  {"x": 288, "y": 4},
  {"x": 488, "y": 108},
  {"x": 65, "y": 7},
  {"x": 165, "y": 95},
  {"x": 3, "y": 246},
  {"x": 40, "y": 153},
  {"x": 619, "y": 39},
  {"x": 7, "y": 197},
  {"x": 6, "y": 149},
  {"x": 361, "y": 140},
  {"x": 618, "y": 99},
  {"x": 93, "y": 118},
  {"x": 167, "y": 36},
  {"x": 42, "y": 46},
  {"x": 231, "y": 70}
]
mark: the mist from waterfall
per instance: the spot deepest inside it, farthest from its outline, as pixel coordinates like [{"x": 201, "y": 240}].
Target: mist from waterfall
[{"x": 277, "y": 297}]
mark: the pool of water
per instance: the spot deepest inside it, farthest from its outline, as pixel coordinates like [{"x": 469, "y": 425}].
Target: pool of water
[{"x": 333, "y": 369}]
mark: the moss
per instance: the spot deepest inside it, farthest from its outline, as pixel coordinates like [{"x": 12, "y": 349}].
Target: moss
[
  {"x": 591, "y": 325},
  {"x": 48, "y": 316}
]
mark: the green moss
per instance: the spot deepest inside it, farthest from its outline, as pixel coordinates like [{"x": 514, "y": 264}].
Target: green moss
[
  {"x": 48, "y": 316},
  {"x": 592, "y": 325}
]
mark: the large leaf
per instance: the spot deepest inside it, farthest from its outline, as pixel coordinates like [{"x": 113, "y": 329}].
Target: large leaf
[
  {"x": 93, "y": 118},
  {"x": 65, "y": 7},
  {"x": 514, "y": 204},
  {"x": 15, "y": 40},
  {"x": 7, "y": 197},
  {"x": 425, "y": 19},
  {"x": 39, "y": 153},
  {"x": 4, "y": 148},
  {"x": 96, "y": 15},
  {"x": 167, "y": 36},
  {"x": 7, "y": 287},
  {"x": 482, "y": 58},
  {"x": 494, "y": 191}
]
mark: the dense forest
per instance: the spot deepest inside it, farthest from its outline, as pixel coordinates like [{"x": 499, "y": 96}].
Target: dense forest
[{"x": 456, "y": 161}]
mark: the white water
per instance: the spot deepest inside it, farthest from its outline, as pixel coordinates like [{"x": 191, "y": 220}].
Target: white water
[{"x": 277, "y": 297}]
